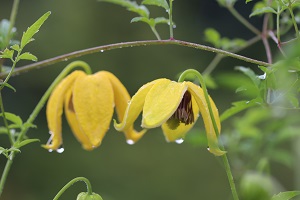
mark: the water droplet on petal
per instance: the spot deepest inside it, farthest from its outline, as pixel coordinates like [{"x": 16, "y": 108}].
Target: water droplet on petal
[
  {"x": 179, "y": 141},
  {"x": 60, "y": 150},
  {"x": 130, "y": 142}
]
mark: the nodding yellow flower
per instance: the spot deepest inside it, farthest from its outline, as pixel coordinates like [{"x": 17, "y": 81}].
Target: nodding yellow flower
[
  {"x": 175, "y": 106},
  {"x": 88, "y": 102}
]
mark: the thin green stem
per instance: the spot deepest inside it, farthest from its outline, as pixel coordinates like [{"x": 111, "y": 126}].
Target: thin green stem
[
  {"x": 278, "y": 24},
  {"x": 11, "y": 71},
  {"x": 241, "y": 19},
  {"x": 69, "y": 184},
  {"x": 6, "y": 171},
  {"x": 294, "y": 20},
  {"x": 155, "y": 32},
  {"x": 11, "y": 139},
  {"x": 103, "y": 48},
  {"x": 36, "y": 111},
  {"x": 224, "y": 156},
  {"x": 171, "y": 19}
]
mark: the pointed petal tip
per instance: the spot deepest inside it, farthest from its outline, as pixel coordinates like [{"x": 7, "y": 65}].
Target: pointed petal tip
[
  {"x": 118, "y": 126},
  {"x": 216, "y": 151}
]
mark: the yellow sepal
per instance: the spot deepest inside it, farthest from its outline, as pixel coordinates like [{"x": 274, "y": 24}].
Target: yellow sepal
[
  {"x": 93, "y": 102},
  {"x": 121, "y": 99},
  {"x": 161, "y": 102},
  {"x": 55, "y": 108},
  {"x": 73, "y": 122},
  {"x": 212, "y": 136}
]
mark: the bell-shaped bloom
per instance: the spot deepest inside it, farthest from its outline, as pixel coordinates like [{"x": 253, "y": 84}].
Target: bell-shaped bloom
[
  {"x": 175, "y": 106},
  {"x": 88, "y": 102}
]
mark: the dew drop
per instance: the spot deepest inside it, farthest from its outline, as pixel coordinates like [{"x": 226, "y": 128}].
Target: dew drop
[
  {"x": 60, "y": 150},
  {"x": 247, "y": 102},
  {"x": 101, "y": 50},
  {"x": 66, "y": 59},
  {"x": 130, "y": 142},
  {"x": 262, "y": 77},
  {"x": 179, "y": 141},
  {"x": 208, "y": 148},
  {"x": 174, "y": 26},
  {"x": 50, "y": 150},
  {"x": 167, "y": 10}
]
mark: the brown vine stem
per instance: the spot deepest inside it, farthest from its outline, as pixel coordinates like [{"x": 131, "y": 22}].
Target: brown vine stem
[{"x": 103, "y": 48}]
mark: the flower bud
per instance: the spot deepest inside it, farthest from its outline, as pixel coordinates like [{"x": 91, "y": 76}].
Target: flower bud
[{"x": 86, "y": 196}]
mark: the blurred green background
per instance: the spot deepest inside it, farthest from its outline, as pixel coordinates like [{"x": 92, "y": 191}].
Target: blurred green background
[{"x": 152, "y": 168}]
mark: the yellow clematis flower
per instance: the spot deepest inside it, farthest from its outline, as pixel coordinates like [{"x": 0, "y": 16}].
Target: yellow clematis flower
[
  {"x": 88, "y": 102},
  {"x": 175, "y": 106}
]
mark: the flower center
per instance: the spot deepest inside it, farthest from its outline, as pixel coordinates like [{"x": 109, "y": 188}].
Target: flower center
[{"x": 183, "y": 114}]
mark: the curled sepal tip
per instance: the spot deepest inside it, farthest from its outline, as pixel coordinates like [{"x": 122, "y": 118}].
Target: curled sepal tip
[{"x": 87, "y": 196}]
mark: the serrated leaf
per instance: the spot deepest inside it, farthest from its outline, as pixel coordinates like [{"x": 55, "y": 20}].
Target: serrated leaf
[
  {"x": 9, "y": 86},
  {"x": 263, "y": 10},
  {"x": 286, "y": 195},
  {"x": 131, "y": 6},
  {"x": 7, "y": 54},
  {"x": 25, "y": 142},
  {"x": 238, "y": 107},
  {"x": 15, "y": 47},
  {"x": 27, "y": 56},
  {"x": 33, "y": 29},
  {"x": 13, "y": 118},
  {"x": 161, "y": 3}
]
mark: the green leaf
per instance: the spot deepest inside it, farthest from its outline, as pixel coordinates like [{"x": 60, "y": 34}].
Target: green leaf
[
  {"x": 131, "y": 6},
  {"x": 25, "y": 142},
  {"x": 212, "y": 36},
  {"x": 3, "y": 130},
  {"x": 33, "y": 29},
  {"x": 29, "y": 125},
  {"x": 161, "y": 3},
  {"x": 263, "y": 10},
  {"x": 238, "y": 107},
  {"x": 9, "y": 86},
  {"x": 162, "y": 20},
  {"x": 247, "y": 1},
  {"x": 15, "y": 47},
  {"x": 7, "y": 54},
  {"x": 249, "y": 72},
  {"x": 286, "y": 195},
  {"x": 13, "y": 118},
  {"x": 151, "y": 21},
  {"x": 27, "y": 56}
]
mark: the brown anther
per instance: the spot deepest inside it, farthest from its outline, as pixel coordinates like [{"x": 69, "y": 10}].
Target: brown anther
[{"x": 183, "y": 114}]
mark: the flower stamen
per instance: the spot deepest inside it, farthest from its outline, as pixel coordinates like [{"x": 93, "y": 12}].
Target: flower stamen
[{"x": 183, "y": 114}]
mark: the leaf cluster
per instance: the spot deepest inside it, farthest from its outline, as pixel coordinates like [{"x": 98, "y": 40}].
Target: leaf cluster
[{"x": 143, "y": 11}]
